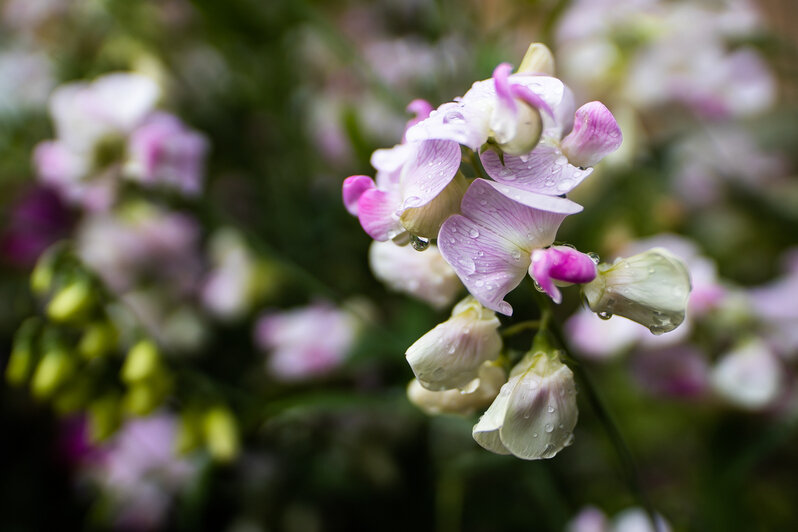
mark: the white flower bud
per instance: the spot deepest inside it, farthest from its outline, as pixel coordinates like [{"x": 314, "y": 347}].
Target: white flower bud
[
  {"x": 424, "y": 275},
  {"x": 535, "y": 413},
  {"x": 449, "y": 356},
  {"x": 750, "y": 376},
  {"x": 491, "y": 377},
  {"x": 650, "y": 288}
]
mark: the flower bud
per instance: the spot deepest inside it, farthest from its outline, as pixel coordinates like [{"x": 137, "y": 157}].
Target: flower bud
[
  {"x": 22, "y": 358},
  {"x": 538, "y": 59},
  {"x": 98, "y": 339},
  {"x": 71, "y": 303},
  {"x": 449, "y": 356},
  {"x": 104, "y": 417},
  {"x": 142, "y": 361},
  {"x": 535, "y": 413},
  {"x": 518, "y": 134},
  {"x": 490, "y": 379},
  {"x": 41, "y": 279},
  {"x": 650, "y": 288},
  {"x": 561, "y": 264},
  {"x": 426, "y": 275},
  {"x": 221, "y": 434},
  {"x": 189, "y": 432},
  {"x": 55, "y": 368},
  {"x": 595, "y": 135},
  {"x": 425, "y": 221},
  {"x": 750, "y": 376}
]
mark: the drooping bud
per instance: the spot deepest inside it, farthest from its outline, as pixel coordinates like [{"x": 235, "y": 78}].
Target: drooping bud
[
  {"x": 425, "y": 221},
  {"x": 750, "y": 376},
  {"x": 515, "y": 123},
  {"x": 72, "y": 302},
  {"x": 450, "y": 355},
  {"x": 491, "y": 377},
  {"x": 595, "y": 135},
  {"x": 104, "y": 417},
  {"x": 142, "y": 361},
  {"x": 650, "y": 288},
  {"x": 221, "y": 433},
  {"x": 561, "y": 264},
  {"x": 55, "y": 368},
  {"x": 535, "y": 413},
  {"x": 98, "y": 339},
  {"x": 538, "y": 59},
  {"x": 41, "y": 279},
  {"x": 189, "y": 432},
  {"x": 23, "y": 357},
  {"x": 426, "y": 275}
]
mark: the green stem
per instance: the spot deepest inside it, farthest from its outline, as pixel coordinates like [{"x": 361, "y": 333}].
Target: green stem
[
  {"x": 479, "y": 170},
  {"x": 627, "y": 462},
  {"x": 516, "y": 328}
]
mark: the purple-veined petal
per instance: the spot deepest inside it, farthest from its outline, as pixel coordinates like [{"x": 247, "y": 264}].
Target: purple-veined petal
[
  {"x": 389, "y": 163},
  {"x": 354, "y": 187},
  {"x": 541, "y": 202},
  {"x": 557, "y": 97},
  {"x": 464, "y": 123},
  {"x": 376, "y": 210},
  {"x": 487, "y": 264},
  {"x": 546, "y": 170},
  {"x": 560, "y": 263},
  {"x": 489, "y": 245},
  {"x": 595, "y": 135},
  {"x": 429, "y": 171}
]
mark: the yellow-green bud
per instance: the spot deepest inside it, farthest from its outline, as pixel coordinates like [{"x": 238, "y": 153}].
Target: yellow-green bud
[
  {"x": 55, "y": 367},
  {"x": 537, "y": 60},
  {"x": 72, "y": 396},
  {"x": 71, "y": 303},
  {"x": 220, "y": 429},
  {"x": 98, "y": 339},
  {"x": 144, "y": 396},
  {"x": 104, "y": 417},
  {"x": 20, "y": 365},
  {"x": 189, "y": 432},
  {"x": 143, "y": 361}
]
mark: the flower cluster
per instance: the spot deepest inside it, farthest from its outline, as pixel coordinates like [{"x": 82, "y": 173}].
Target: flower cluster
[{"x": 529, "y": 146}]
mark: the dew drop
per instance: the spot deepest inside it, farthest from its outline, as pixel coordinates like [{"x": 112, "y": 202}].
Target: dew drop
[
  {"x": 419, "y": 243},
  {"x": 604, "y": 315},
  {"x": 453, "y": 117},
  {"x": 561, "y": 160},
  {"x": 550, "y": 409},
  {"x": 549, "y": 427},
  {"x": 594, "y": 257},
  {"x": 473, "y": 233},
  {"x": 451, "y": 349}
]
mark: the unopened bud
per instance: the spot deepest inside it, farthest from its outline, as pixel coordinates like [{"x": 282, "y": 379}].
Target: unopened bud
[
  {"x": 71, "y": 303},
  {"x": 142, "y": 361},
  {"x": 450, "y": 355},
  {"x": 537, "y": 60},
  {"x": 104, "y": 417},
  {"x": 220, "y": 429},
  {"x": 491, "y": 377},
  {"x": 98, "y": 339},
  {"x": 22, "y": 359},
  {"x": 535, "y": 413},
  {"x": 650, "y": 288},
  {"x": 55, "y": 367},
  {"x": 189, "y": 432}
]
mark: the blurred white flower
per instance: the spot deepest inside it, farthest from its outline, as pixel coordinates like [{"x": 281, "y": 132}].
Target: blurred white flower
[{"x": 750, "y": 376}]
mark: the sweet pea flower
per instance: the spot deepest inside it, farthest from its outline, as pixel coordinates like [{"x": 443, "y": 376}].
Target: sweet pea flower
[
  {"x": 164, "y": 151},
  {"x": 651, "y": 288},
  {"x": 591, "y": 519},
  {"x": 490, "y": 244},
  {"x": 306, "y": 342},
  {"x": 460, "y": 402},
  {"x": 417, "y": 186},
  {"x": 750, "y": 376},
  {"x": 561, "y": 264},
  {"x": 425, "y": 276},
  {"x": 535, "y": 413},
  {"x": 774, "y": 305},
  {"x": 450, "y": 355}
]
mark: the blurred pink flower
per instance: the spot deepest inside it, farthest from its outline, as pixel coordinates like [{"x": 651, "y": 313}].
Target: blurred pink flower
[{"x": 305, "y": 342}]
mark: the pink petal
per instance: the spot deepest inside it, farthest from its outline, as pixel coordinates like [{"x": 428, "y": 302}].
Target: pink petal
[
  {"x": 542, "y": 202},
  {"x": 354, "y": 187},
  {"x": 546, "y": 170},
  {"x": 458, "y": 122},
  {"x": 376, "y": 211},
  {"x": 595, "y": 135},
  {"x": 560, "y": 263},
  {"x": 421, "y": 109}
]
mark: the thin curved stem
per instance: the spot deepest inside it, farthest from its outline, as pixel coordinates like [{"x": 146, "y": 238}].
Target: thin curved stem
[{"x": 520, "y": 327}]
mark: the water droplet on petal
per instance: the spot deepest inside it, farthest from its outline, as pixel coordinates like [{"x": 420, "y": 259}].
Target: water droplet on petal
[
  {"x": 604, "y": 315},
  {"x": 419, "y": 243},
  {"x": 594, "y": 257},
  {"x": 473, "y": 233},
  {"x": 549, "y": 427}
]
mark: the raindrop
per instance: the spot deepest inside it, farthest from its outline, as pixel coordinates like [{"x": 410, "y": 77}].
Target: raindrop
[
  {"x": 561, "y": 160},
  {"x": 564, "y": 185},
  {"x": 549, "y": 182},
  {"x": 473, "y": 233},
  {"x": 451, "y": 349},
  {"x": 452, "y": 241},
  {"x": 483, "y": 202},
  {"x": 454, "y": 229},
  {"x": 453, "y": 117},
  {"x": 535, "y": 435},
  {"x": 480, "y": 253},
  {"x": 549, "y": 427},
  {"x": 594, "y": 257},
  {"x": 550, "y": 409},
  {"x": 538, "y": 287},
  {"x": 604, "y": 315},
  {"x": 419, "y": 243},
  {"x": 524, "y": 158}
]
